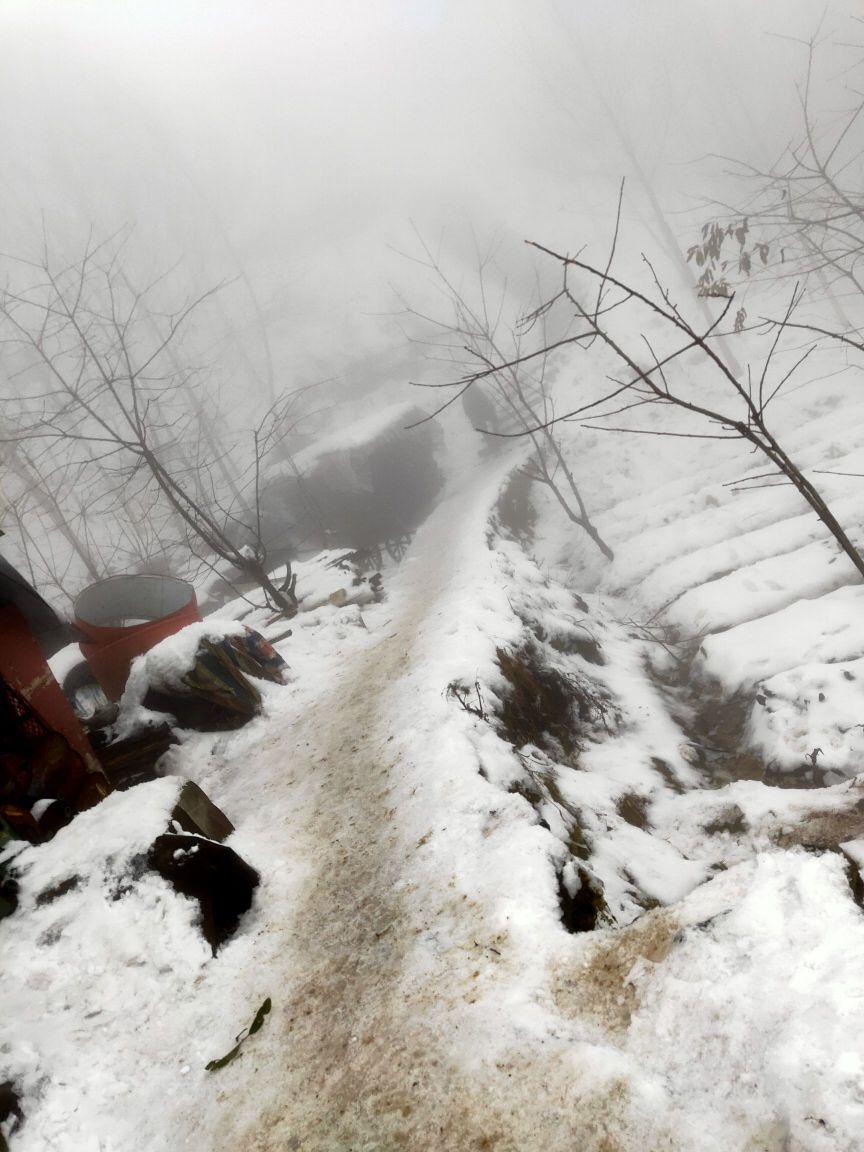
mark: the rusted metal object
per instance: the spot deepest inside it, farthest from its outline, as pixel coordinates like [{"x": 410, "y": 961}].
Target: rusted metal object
[{"x": 125, "y": 616}]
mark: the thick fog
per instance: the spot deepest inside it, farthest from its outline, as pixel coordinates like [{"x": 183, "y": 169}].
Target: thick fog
[
  {"x": 303, "y": 152},
  {"x": 297, "y": 141}
]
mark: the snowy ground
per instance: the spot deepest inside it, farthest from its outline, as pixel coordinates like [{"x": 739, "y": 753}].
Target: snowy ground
[{"x": 408, "y": 927}]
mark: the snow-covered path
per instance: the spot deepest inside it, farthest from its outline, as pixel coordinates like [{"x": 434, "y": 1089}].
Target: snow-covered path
[
  {"x": 409, "y": 1015},
  {"x": 357, "y": 1065},
  {"x": 361, "y": 1065}
]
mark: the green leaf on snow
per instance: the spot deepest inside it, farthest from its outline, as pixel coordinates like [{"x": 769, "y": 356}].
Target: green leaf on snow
[{"x": 255, "y": 1026}]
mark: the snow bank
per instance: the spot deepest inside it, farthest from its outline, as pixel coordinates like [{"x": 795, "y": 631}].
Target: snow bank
[
  {"x": 95, "y": 952},
  {"x": 753, "y": 1019}
]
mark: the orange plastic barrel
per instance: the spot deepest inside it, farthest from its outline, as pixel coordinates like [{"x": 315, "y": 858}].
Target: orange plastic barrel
[{"x": 124, "y": 616}]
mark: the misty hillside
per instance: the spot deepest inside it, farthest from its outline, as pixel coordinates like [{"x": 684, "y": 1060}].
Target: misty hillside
[{"x": 431, "y": 602}]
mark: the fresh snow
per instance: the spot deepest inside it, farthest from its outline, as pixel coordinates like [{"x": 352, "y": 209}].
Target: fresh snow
[{"x": 408, "y": 926}]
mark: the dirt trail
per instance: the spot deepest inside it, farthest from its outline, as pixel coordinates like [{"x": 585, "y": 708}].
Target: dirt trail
[
  {"x": 361, "y": 1072},
  {"x": 342, "y": 1019},
  {"x": 367, "y": 1065}
]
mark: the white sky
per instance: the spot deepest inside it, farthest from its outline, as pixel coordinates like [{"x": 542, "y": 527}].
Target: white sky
[{"x": 300, "y": 138}]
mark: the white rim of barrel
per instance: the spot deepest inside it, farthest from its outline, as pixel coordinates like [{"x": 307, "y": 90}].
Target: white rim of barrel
[{"x": 141, "y": 598}]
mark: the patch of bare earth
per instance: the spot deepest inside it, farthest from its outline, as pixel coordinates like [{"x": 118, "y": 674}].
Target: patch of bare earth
[{"x": 597, "y": 986}]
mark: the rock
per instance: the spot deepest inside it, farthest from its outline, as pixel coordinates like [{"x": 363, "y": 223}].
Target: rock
[
  {"x": 212, "y": 874},
  {"x": 196, "y": 814},
  {"x": 10, "y": 1106}
]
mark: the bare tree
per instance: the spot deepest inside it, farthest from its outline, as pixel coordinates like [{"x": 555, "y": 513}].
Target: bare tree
[
  {"x": 476, "y": 331},
  {"x": 75, "y": 521},
  {"x": 39, "y": 487},
  {"x": 614, "y": 315},
  {"x": 100, "y": 379},
  {"x": 801, "y": 216}
]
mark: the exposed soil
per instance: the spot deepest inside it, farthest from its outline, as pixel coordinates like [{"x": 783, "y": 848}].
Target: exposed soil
[
  {"x": 715, "y": 727},
  {"x": 599, "y": 988},
  {"x": 540, "y": 703},
  {"x": 545, "y": 707}
]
